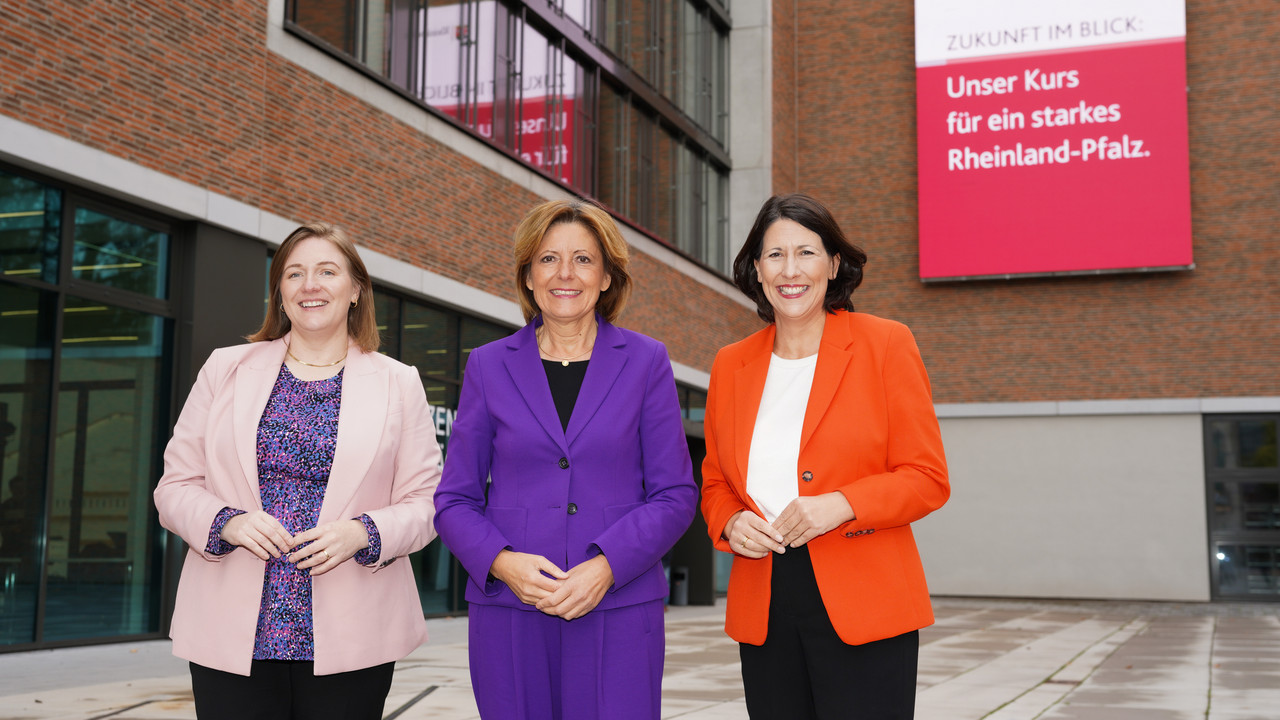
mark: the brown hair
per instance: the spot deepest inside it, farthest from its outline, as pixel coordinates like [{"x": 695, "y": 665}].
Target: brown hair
[
  {"x": 362, "y": 326},
  {"x": 813, "y": 216},
  {"x": 533, "y": 228}
]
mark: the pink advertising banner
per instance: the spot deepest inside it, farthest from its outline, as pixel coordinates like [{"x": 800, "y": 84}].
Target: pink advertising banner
[{"x": 1052, "y": 137}]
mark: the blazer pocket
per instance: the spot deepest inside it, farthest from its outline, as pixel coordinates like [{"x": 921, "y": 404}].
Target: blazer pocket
[
  {"x": 511, "y": 522},
  {"x": 614, "y": 513}
]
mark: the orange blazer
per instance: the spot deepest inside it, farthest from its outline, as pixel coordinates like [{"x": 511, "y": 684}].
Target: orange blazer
[{"x": 869, "y": 432}]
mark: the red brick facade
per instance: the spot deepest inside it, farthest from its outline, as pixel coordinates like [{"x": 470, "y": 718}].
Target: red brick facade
[
  {"x": 192, "y": 91},
  {"x": 1210, "y": 332}
]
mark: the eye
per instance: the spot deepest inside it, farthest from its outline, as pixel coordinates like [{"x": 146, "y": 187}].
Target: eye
[
  {"x": 293, "y": 275},
  {"x": 547, "y": 258},
  {"x": 583, "y": 259},
  {"x": 328, "y": 272}
]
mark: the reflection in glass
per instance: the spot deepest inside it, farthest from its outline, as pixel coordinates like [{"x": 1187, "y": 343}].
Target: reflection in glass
[
  {"x": 120, "y": 254},
  {"x": 696, "y": 410},
  {"x": 109, "y": 390},
  {"x": 1248, "y": 570},
  {"x": 30, "y": 221},
  {"x": 1242, "y": 443},
  {"x": 478, "y": 332},
  {"x": 549, "y": 92},
  {"x": 387, "y": 310},
  {"x": 1246, "y": 506},
  {"x": 431, "y": 344},
  {"x": 25, "y": 362},
  {"x": 455, "y": 72}
]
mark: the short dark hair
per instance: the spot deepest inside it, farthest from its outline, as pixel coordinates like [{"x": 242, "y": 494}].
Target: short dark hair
[{"x": 813, "y": 216}]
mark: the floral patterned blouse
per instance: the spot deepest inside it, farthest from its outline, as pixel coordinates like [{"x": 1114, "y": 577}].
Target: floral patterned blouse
[{"x": 296, "y": 439}]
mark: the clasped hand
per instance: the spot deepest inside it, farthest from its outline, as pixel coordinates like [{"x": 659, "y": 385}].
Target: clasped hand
[
  {"x": 537, "y": 581},
  {"x": 802, "y": 520},
  {"x": 319, "y": 550}
]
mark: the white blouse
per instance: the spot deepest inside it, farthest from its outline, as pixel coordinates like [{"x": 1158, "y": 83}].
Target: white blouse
[{"x": 772, "y": 480}]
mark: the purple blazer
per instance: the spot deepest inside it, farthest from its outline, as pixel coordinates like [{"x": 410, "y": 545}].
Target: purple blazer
[{"x": 618, "y": 481}]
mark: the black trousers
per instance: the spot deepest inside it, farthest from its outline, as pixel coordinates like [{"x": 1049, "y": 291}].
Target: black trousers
[
  {"x": 289, "y": 690},
  {"x": 804, "y": 670}
]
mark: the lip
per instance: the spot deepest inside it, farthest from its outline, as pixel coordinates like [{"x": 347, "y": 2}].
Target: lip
[
  {"x": 316, "y": 304},
  {"x": 797, "y": 291},
  {"x": 565, "y": 293}
]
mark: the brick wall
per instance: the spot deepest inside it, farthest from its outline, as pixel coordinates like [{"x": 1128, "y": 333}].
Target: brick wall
[
  {"x": 1213, "y": 331},
  {"x": 190, "y": 90}
]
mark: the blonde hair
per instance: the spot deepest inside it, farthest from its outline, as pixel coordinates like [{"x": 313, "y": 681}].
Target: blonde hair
[
  {"x": 533, "y": 229},
  {"x": 362, "y": 326}
]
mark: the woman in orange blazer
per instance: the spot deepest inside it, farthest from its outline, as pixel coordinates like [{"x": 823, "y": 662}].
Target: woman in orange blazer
[
  {"x": 822, "y": 448},
  {"x": 302, "y": 467}
]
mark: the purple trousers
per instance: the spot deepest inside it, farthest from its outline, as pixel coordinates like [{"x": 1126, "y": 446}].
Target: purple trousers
[{"x": 605, "y": 665}]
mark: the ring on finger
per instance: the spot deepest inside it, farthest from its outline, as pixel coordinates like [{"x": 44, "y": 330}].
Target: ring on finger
[
  {"x": 327, "y": 556},
  {"x": 744, "y": 541}
]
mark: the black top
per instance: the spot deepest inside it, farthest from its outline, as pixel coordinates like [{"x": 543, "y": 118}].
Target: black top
[{"x": 565, "y": 381}]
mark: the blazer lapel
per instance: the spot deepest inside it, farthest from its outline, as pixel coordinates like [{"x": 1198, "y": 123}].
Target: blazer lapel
[
  {"x": 748, "y": 387},
  {"x": 255, "y": 378},
  {"x": 524, "y": 363},
  {"x": 834, "y": 357},
  {"x": 607, "y": 360},
  {"x": 361, "y": 418}
]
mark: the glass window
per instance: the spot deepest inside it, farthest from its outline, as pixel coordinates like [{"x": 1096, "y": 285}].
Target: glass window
[
  {"x": 430, "y": 340},
  {"x": 120, "y": 254},
  {"x": 386, "y": 309},
  {"x": 1246, "y": 506},
  {"x": 1243, "y": 443},
  {"x": 30, "y": 220},
  {"x": 457, "y": 67},
  {"x": 1249, "y": 570},
  {"x": 532, "y": 92},
  {"x": 476, "y": 333},
  {"x": 109, "y": 388},
  {"x": 25, "y": 365},
  {"x": 613, "y": 176},
  {"x": 696, "y": 410},
  {"x": 549, "y": 93},
  {"x": 579, "y": 11}
]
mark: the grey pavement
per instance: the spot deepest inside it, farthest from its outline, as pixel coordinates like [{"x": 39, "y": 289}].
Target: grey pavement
[{"x": 985, "y": 658}]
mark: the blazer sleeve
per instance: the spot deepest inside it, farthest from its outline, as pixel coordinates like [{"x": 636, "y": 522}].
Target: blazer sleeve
[
  {"x": 406, "y": 526},
  {"x": 186, "y": 505},
  {"x": 638, "y": 540},
  {"x": 460, "y": 499},
  {"x": 915, "y": 483},
  {"x": 719, "y": 501}
]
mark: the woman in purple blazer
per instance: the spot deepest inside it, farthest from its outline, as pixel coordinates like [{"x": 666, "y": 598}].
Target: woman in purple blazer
[{"x": 567, "y": 479}]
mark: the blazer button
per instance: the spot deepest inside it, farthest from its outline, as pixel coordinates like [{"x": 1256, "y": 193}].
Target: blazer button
[
  {"x": 849, "y": 534},
  {"x": 564, "y": 463},
  {"x": 806, "y": 476},
  {"x": 573, "y": 509}
]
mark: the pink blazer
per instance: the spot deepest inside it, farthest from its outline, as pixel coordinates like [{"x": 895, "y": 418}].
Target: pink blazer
[{"x": 386, "y": 464}]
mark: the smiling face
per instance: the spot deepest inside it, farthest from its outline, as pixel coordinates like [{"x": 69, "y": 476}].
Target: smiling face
[
  {"x": 316, "y": 288},
  {"x": 794, "y": 269},
  {"x": 568, "y": 273}
]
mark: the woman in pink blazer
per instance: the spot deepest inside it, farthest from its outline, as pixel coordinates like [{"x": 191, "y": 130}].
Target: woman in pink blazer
[
  {"x": 301, "y": 468},
  {"x": 822, "y": 449}
]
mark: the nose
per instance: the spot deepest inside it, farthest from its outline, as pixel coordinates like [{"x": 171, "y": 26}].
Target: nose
[
  {"x": 310, "y": 281},
  {"x": 790, "y": 266},
  {"x": 565, "y": 270}
]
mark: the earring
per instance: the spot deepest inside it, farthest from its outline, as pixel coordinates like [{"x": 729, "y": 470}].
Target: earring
[
  {"x": 355, "y": 303},
  {"x": 281, "y": 307}
]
